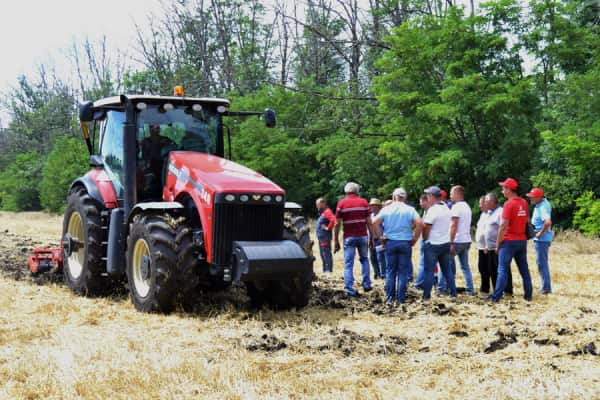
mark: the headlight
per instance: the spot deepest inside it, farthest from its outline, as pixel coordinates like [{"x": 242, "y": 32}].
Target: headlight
[
  {"x": 229, "y": 197},
  {"x": 267, "y": 198},
  {"x": 279, "y": 198},
  {"x": 244, "y": 197}
]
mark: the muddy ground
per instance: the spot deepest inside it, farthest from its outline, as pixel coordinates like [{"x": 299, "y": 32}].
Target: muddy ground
[{"x": 547, "y": 348}]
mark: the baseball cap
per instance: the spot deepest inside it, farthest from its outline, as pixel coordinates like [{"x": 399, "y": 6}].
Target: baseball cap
[
  {"x": 434, "y": 191},
  {"x": 399, "y": 192},
  {"x": 535, "y": 192},
  {"x": 444, "y": 193},
  {"x": 510, "y": 183},
  {"x": 375, "y": 202}
]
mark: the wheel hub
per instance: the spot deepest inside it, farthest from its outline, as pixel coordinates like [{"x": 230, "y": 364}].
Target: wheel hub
[{"x": 145, "y": 268}]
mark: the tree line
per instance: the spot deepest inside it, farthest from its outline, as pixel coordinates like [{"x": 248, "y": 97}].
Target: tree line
[{"x": 384, "y": 93}]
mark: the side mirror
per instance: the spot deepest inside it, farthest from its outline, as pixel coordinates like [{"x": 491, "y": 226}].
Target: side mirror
[
  {"x": 270, "y": 120},
  {"x": 86, "y": 111}
]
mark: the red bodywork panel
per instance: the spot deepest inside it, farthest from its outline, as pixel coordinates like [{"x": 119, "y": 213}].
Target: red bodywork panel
[
  {"x": 201, "y": 176},
  {"x": 105, "y": 187}
]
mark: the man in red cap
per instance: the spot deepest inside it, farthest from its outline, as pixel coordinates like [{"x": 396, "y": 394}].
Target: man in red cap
[
  {"x": 541, "y": 220},
  {"x": 512, "y": 241}
]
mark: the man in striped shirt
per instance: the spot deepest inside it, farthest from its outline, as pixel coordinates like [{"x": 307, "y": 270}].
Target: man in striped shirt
[{"x": 353, "y": 213}]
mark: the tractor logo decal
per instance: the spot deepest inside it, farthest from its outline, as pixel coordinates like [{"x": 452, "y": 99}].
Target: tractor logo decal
[{"x": 204, "y": 195}]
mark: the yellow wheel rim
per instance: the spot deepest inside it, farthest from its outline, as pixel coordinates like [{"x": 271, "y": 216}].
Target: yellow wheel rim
[
  {"x": 77, "y": 258},
  {"x": 141, "y": 267}
]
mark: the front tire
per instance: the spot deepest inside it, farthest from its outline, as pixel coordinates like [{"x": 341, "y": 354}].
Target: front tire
[
  {"x": 82, "y": 232},
  {"x": 152, "y": 263}
]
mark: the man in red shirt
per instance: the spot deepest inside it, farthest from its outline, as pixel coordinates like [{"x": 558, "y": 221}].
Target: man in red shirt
[
  {"x": 512, "y": 241},
  {"x": 353, "y": 212}
]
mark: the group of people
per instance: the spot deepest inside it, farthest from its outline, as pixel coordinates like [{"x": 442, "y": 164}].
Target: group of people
[{"x": 388, "y": 231}]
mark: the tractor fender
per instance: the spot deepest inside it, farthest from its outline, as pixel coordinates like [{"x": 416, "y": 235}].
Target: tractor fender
[
  {"x": 157, "y": 206},
  {"x": 99, "y": 187},
  {"x": 89, "y": 186}
]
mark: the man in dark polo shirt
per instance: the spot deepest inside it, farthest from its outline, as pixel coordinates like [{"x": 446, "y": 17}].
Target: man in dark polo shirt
[
  {"x": 512, "y": 241},
  {"x": 353, "y": 212}
]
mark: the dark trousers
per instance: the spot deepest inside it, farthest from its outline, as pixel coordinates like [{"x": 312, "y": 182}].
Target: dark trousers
[
  {"x": 326, "y": 256},
  {"x": 488, "y": 268},
  {"x": 483, "y": 263}
]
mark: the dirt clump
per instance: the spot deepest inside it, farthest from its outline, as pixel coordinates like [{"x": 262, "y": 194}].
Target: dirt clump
[
  {"x": 504, "y": 339},
  {"x": 267, "y": 343},
  {"x": 589, "y": 348}
]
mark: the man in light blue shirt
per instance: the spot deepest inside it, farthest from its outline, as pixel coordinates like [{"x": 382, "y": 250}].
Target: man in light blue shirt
[
  {"x": 401, "y": 230},
  {"x": 541, "y": 219}
]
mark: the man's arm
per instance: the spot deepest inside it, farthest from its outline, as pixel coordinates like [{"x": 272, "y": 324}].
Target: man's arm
[
  {"x": 545, "y": 228},
  {"x": 501, "y": 231},
  {"x": 417, "y": 229},
  {"x": 336, "y": 235},
  {"x": 332, "y": 220},
  {"x": 453, "y": 229},
  {"x": 426, "y": 230}
]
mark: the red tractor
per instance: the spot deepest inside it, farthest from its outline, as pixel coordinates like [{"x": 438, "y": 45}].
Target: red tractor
[{"x": 163, "y": 207}]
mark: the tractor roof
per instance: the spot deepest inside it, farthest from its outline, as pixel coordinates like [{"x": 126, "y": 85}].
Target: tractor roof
[{"x": 115, "y": 101}]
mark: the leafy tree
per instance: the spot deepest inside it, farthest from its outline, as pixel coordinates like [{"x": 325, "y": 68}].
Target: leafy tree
[
  {"x": 452, "y": 89},
  {"x": 67, "y": 161},
  {"x": 587, "y": 216},
  {"x": 19, "y": 183}
]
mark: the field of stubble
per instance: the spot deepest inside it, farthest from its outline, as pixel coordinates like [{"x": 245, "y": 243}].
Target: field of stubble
[{"x": 56, "y": 345}]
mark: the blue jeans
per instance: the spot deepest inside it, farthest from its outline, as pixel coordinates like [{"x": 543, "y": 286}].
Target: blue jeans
[
  {"x": 439, "y": 253},
  {"x": 421, "y": 272},
  {"x": 516, "y": 249},
  {"x": 397, "y": 253},
  {"x": 352, "y": 244},
  {"x": 462, "y": 251},
  {"x": 326, "y": 256},
  {"x": 541, "y": 259},
  {"x": 378, "y": 262}
]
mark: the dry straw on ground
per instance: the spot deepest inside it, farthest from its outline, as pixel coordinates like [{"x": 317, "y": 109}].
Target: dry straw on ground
[{"x": 54, "y": 344}]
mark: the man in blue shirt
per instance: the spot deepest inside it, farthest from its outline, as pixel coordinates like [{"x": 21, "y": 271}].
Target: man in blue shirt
[
  {"x": 401, "y": 230},
  {"x": 541, "y": 220}
]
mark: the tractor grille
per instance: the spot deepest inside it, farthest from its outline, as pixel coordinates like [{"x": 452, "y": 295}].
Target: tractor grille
[{"x": 243, "y": 222}]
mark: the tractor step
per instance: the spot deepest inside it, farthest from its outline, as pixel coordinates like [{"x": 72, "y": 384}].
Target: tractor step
[{"x": 45, "y": 260}]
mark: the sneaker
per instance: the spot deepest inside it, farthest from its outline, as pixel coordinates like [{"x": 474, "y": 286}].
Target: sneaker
[
  {"x": 352, "y": 295},
  {"x": 545, "y": 292},
  {"x": 368, "y": 289}
]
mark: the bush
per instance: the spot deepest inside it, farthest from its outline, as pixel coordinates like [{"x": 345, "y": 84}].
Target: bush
[
  {"x": 19, "y": 183},
  {"x": 68, "y": 160},
  {"x": 587, "y": 214}
]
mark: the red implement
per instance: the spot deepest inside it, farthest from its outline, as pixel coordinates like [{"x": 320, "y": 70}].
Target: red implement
[{"x": 44, "y": 260}]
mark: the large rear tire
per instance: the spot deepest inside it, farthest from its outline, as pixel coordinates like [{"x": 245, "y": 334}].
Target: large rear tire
[
  {"x": 293, "y": 292},
  {"x": 82, "y": 232},
  {"x": 152, "y": 263}
]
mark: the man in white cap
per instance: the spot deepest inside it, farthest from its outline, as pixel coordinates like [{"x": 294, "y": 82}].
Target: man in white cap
[
  {"x": 353, "y": 213},
  {"x": 401, "y": 230}
]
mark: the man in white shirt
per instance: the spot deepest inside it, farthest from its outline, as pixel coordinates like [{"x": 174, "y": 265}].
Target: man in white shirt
[
  {"x": 483, "y": 255},
  {"x": 436, "y": 234},
  {"x": 460, "y": 235}
]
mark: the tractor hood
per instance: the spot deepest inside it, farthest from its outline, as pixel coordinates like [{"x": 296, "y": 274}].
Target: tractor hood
[{"x": 219, "y": 175}]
